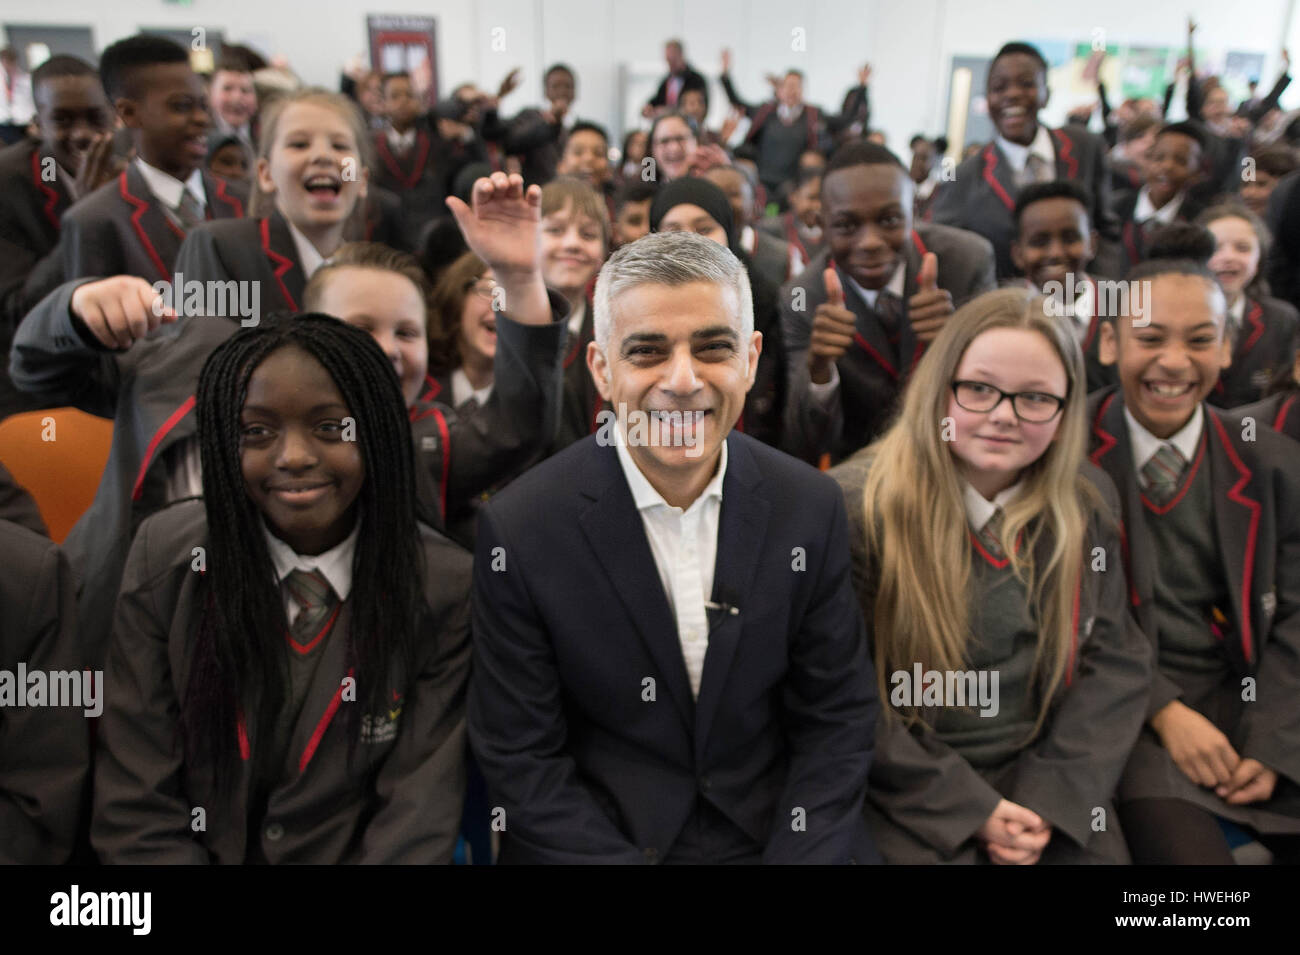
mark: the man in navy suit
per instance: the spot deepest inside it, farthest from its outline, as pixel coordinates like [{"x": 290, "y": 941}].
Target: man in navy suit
[{"x": 670, "y": 665}]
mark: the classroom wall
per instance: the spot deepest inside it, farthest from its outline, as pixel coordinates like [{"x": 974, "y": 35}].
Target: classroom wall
[{"x": 909, "y": 44}]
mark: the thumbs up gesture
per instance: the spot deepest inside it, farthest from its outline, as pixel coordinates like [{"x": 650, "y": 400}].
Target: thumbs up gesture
[
  {"x": 832, "y": 330},
  {"x": 930, "y": 307}
]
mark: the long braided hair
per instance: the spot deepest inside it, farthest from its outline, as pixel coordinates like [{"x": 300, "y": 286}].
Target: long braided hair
[{"x": 240, "y": 660}]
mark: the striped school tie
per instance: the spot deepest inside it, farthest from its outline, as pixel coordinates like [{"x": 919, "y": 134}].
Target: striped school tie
[
  {"x": 189, "y": 210},
  {"x": 1162, "y": 474},
  {"x": 317, "y": 599},
  {"x": 990, "y": 534},
  {"x": 889, "y": 309}
]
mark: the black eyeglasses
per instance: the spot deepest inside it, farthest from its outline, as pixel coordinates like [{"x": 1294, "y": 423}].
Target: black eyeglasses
[{"x": 1036, "y": 407}]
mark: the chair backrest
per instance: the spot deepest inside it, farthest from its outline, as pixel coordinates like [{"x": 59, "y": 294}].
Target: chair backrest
[{"x": 58, "y": 456}]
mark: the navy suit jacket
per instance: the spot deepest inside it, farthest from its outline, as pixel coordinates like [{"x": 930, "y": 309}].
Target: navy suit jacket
[{"x": 593, "y": 762}]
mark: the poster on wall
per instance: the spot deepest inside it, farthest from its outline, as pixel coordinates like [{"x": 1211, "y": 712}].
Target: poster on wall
[{"x": 406, "y": 44}]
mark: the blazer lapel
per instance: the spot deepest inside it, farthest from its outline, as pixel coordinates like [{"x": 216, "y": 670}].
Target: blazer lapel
[
  {"x": 1236, "y": 520},
  {"x": 1067, "y": 166},
  {"x": 54, "y": 195},
  {"x": 998, "y": 176},
  {"x": 282, "y": 255},
  {"x": 159, "y": 237},
  {"x": 742, "y": 529},
  {"x": 221, "y": 203},
  {"x": 324, "y": 697},
  {"x": 616, "y": 534},
  {"x": 1113, "y": 454},
  {"x": 870, "y": 334}
]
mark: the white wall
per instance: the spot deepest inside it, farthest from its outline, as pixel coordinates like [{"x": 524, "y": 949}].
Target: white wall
[{"x": 909, "y": 44}]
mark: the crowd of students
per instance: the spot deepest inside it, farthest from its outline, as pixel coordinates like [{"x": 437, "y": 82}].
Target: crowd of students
[{"x": 507, "y": 480}]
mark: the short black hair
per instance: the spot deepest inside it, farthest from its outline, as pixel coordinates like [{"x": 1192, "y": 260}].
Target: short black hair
[
  {"x": 122, "y": 62},
  {"x": 237, "y": 58},
  {"x": 1181, "y": 240},
  {"x": 862, "y": 153},
  {"x": 1190, "y": 130},
  {"x": 586, "y": 126},
  {"x": 1020, "y": 47},
  {"x": 1056, "y": 189},
  {"x": 387, "y": 78},
  {"x": 633, "y": 190},
  {"x": 59, "y": 67},
  {"x": 793, "y": 72},
  {"x": 557, "y": 68},
  {"x": 918, "y": 138}
]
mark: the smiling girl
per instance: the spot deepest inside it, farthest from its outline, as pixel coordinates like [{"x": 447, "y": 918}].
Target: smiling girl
[
  {"x": 977, "y": 529},
  {"x": 1263, "y": 328},
  {"x": 291, "y": 652},
  {"x": 311, "y": 180}
]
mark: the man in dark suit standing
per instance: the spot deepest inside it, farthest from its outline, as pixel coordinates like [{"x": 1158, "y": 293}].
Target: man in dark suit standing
[
  {"x": 681, "y": 77},
  {"x": 669, "y": 661}
]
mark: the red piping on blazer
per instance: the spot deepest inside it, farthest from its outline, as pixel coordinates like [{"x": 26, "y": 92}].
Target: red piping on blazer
[
  {"x": 1248, "y": 562},
  {"x": 51, "y": 194},
  {"x": 186, "y": 407},
  {"x": 322, "y": 726},
  {"x": 141, "y": 207},
  {"x": 282, "y": 264},
  {"x": 1187, "y": 483},
  {"x": 991, "y": 163}
]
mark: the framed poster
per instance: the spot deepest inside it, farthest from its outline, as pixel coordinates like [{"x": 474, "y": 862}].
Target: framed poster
[{"x": 406, "y": 44}]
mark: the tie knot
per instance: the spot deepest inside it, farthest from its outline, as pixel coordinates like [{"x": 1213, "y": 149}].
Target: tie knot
[
  {"x": 309, "y": 588},
  {"x": 189, "y": 209},
  {"x": 1162, "y": 472},
  {"x": 990, "y": 534}
]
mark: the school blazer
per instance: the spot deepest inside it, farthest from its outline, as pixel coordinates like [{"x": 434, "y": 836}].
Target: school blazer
[
  {"x": 1132, "y": 242},
  {"x": 259, "y": 250},
  {"x": 463, "y": 458},
  {"x": 419, "y": 179},
  {"x": 574, "y": 636},
  {"x": 982, "y": 196},
  {"x": 121, "y": 228},
  {"x": 44, "y": 751},
  {"x": 870, "y": 382},
  {"x": 1257, "y": 525},
  {"x": 400, "y": 799},
  {"x": 928, "y": 802},
  {"x": 1266, "y": 342},
  {"x": 771, "y": 257},
  {"x": 581, "y": 401},
  {"x": 1278, "y": 411},
  {"x": 17, "y": 506},
  {"x": 30, "y": 211},
  {"x": 148, "y": 390},
  {"x": 783, "y": 229}
]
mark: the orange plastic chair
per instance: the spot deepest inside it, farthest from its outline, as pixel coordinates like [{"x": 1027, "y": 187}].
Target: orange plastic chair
[{"x": 58, "y": 456}]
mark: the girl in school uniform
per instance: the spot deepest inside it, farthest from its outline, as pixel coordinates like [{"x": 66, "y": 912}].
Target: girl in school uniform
[
  {"x": 1278, "y": 409},
  {"x": 984, "y": 544},
  {"x": 575, "y": 242},
  {"x": 289, "y": 655},
  {"x": 311, "y": 184},
  {"x": 1263, "y": 328}
]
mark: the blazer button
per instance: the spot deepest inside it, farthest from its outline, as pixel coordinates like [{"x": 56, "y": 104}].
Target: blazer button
[
  {"x": 274, "y": 831},
  {"x": 652, "y": 856}
]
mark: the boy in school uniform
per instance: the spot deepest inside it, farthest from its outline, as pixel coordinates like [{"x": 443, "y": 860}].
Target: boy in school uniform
[
  {"x": 982, "y": 196},
  {"x": 800, "y": 226},
  {"x": 1172, "y": 167},
  {"x": 1222, "y": 737},
  {"x": 44, "y": 750},
  {"x": 770, "y": 255},
  {"x": 39, "y": 180},
  {"x": 857, "y": 320},
  {"x": 408, "y": 158},
  {"x": 631, "y": 217},
  {"x": 134, "y": 225},
  {"x": 1054, "y": 243},
  {"x": 234, "y": 98}
]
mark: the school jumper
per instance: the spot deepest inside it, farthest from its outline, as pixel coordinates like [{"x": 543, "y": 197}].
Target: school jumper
[
  {"x": 934, "y": 784},
  {"x": 875, "y": 368},
  {"x": 396, "y": 798}
]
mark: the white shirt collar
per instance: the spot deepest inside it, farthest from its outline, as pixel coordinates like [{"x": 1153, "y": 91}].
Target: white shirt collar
[
  {"x": 787, "y": 113},
  {"x": 1145, "y": 444},
  {"x": 894, "y": 286},
  {"x": 167, "y": 188},
  {"x": 1145, "y": 210},
  {"x": 335, "y": 565},
  {"x": 979, "y": 509},
  {"x": 1237, "y": 312},
  {"x": 643, "y": 492},
  {"x": 1041, "y": 147},
  {"x": 308, "y": 256},
  {"x": 462, "y": 389},
  {"x": 748, "y": 239},
  {"x": 401, "y": 141},
  {"x": 576, "y": 318}
]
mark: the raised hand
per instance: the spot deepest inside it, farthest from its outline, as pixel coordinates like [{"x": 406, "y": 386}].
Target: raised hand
[
  {"x": 726, "y": 62},
  {"x": 864, "y": 74},
  {"x": 97, "y": 166},
  {"x": 121, "y": 310},
  {"x": 509, "y": 84},
  {"x": 832, "y": 330},
  {"x": 929, "y": 308}
]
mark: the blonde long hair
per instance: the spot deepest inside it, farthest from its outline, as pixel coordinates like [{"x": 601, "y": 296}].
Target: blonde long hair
[
  {"x": 262, "y": 203},
  {"x": 916, "y": 521}
]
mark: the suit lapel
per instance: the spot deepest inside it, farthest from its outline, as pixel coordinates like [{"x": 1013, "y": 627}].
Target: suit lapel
[
  {"x": 614, "y": 530},
  {"x": 282, "y": 255},
  {"x": 870, "y": 334},
  {"x": 221, "y": 203},
  {"x": 1236, "y": 520},
  {"x": 54, "y": 196},
  {"x": 741, "y": 531},
  {"x": 1113, "y": 453},
  {"x": 998, "y": 176},
  {"x": 1067, "y": 165},
  {"x": 159, "y": 238}
]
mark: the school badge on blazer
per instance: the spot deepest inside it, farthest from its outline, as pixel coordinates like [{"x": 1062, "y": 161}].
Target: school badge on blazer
[
  {"x": 429, "y": 442},
  {"x": 382, "y": 727}
]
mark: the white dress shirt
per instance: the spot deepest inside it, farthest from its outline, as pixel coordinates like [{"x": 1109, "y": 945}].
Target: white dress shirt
[
  {"x": 1145, "y": 444},
  {"x": 576, "y": 318},
  {"x": 823, "y": 394},
  {"x": 1236, "y": 313},
  {"x": 1079, "y": 312},
  {"x": 1018, "y": 155},
  {"x": 980, "y": 510},
  {"x": 462, "y": 389},
  {"x": 685, "y": 548},
  {"x": 335, "y": 565},
  {"x": 309, "y": 256},
  {"x": 1145, "y": 210},
  {"x": 167, "y": 189},
  {"x": 401, "y": 142}
]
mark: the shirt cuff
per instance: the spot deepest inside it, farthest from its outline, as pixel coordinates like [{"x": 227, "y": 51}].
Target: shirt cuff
[{"x": 824, "y": 394}]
